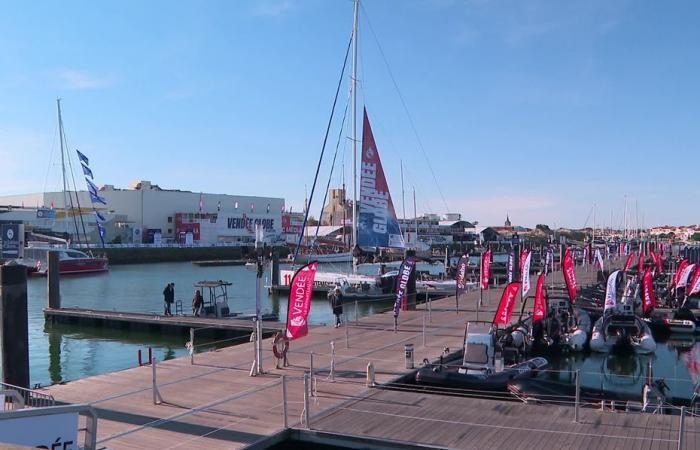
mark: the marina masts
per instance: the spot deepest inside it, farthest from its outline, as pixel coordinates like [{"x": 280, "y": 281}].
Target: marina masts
[{"x": 353, "y": 100}]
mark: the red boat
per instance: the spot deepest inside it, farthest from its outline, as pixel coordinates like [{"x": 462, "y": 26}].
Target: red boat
[{"x": 70, "y": 261}]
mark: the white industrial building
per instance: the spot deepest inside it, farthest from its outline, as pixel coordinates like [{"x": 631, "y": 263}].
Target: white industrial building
[{"x": 145, "y": 212}]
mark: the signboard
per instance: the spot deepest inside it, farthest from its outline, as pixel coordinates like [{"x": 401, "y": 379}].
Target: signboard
[
  {"x": 189, "y": 238},
  {"x": 10, "y": 241},
  {"x": 136, "y": 236},
  {"x": 291, "y": 224},
  {"x": 157, "y": 238},
  {"x": 45, "y": 213},
  {"x": 57, "y": 431},
  {"x": 240, "y": 225}
]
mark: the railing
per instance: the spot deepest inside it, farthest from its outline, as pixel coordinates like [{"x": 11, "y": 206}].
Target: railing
[{"x": 32, "y": 398}]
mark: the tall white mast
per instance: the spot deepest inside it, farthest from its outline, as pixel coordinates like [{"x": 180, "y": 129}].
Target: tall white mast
[
  {"x": 625, "y": 219},
  {"x": 593, "y": 239},
  {"x": 353, "y": 100},
  {"x": 63, "y": 161}
]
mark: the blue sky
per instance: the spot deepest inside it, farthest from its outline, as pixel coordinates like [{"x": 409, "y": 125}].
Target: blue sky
[{"x": 534, "y": 108}]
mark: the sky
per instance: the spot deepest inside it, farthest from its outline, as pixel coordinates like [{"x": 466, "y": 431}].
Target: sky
[{"x": 536, "y": 109}]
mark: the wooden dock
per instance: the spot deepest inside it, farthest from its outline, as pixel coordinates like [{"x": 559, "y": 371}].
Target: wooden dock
[
  {"x": 176, "y": 324},
  {"x": 220, "y": 262},
  {"x": 215, "y": 404}
]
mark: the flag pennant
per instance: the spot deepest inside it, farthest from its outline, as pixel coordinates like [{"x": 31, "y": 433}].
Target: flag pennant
[
  {"x": 611, "y": 291},
  {"x": 91, "y": 187},
  {"x": 628, "y": 263},
  {"x": 681, "y": 267},
  {"x": 99, "y": 216},
  {"x": 539, "y": 309},
  {"x": 649, "y": 300},
  {"x": 569, "y": 275},
  {"x": 86, "y": 171},
  {"x": 525, "y": 272},
  {"x": 683, "y": 278},
  {"x": 83, "y": 159},
  {"x": 405, "y": 271},
  {"x": 461, "y": 278},
  {"x": 485, "y": 269},
  {"x": 299, "y": 304},
  {"x": 694, "y": 286},
  {"x": 506, "y": 305},
  {"x": 97, "y": 199},
  {"x": 599, "y": 259}
]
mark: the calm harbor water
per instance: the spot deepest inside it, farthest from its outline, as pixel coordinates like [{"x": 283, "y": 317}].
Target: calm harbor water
[{"x": 63, "y": 353}]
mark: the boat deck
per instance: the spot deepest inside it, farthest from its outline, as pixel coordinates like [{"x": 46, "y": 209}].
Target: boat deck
[{"x": 215, "y": 404}]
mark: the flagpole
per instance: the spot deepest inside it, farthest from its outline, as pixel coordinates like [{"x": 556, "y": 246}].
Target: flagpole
[
  {"x": 481, "y": 286},
  {"x": 353, "y": 92}
]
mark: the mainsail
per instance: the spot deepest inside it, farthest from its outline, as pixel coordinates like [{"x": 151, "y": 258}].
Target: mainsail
[{"x": 377, "y": 224}]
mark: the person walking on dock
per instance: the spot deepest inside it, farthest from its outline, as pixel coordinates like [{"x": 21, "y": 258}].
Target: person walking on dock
[
  {"x": 197, "y": 303},
  {"x": 168, "y": 297},
  {"x": 335, "y": 297}
]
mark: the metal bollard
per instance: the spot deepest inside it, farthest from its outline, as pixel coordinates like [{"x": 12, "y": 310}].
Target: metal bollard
[
  {"x": 332, "y": 374},
  {"x": 307, "y": 388},
  {"x": 370, "y": 375},
  {"x": 423, "y": 330},
  {"x": 284, "y": 402},
  {"x": 311, "y": 371},
  {"x": 578, "y": 395},
  {"x": 430, "y": 310},
  {"x": 681, "y": 429},
  {"x": 157, "y": 399},
  {"x": 191, "y": 346},
  {"x": 347, "y": 335},
  {"x": 408, "y": 354}
]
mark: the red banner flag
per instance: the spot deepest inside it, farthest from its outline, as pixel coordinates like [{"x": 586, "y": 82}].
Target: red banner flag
[
  {"x": 649, "y": 300},
  {"x": 505, "y": 307},
  {"x": 694, "y": 286},
  {"x": 659, "y": 261},
  {"x": 569, "y": 275},
  {"x": 540, "y": 308},
  {"x": 640, "y": 263},
  {"x": 485, "y": 269},
  {"x": 299, "y": 305},
  {"x": 677, "y": 275},
  {"x": 628, "y": 263}
]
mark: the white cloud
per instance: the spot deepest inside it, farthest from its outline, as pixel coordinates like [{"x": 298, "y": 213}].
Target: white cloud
[
  {"x": 75, "y": 79},
  {"x": 272, "y": 8}
]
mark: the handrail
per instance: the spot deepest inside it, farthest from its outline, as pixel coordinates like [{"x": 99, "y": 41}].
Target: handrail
[
  {"x": 18, "y": 400},
  {"x": 31, "y": 397}
]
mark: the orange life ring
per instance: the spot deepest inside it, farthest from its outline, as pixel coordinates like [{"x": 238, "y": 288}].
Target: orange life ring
[{"x": 280, "y": 345}]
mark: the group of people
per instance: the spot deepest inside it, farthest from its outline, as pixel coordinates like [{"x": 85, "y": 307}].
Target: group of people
[{"x": 169, "y": 299}]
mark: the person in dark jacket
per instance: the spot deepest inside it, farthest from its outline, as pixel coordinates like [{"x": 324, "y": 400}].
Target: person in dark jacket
[
  {"x": 169, "y": 297},
  {"x": 197, "y": 303},
  {"x": 335, "y": 297}
]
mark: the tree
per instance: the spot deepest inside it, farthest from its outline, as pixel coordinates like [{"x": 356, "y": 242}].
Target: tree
[
  {"x": 543, "y": 227},
  {"x": 695, "y": 236},
  {"x": 312, "y": 222}
]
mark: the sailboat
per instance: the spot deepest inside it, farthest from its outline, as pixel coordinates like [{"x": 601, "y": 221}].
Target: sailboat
[
  {"x": 71, "y": 261},
  {"x": 374, "y": 221}
]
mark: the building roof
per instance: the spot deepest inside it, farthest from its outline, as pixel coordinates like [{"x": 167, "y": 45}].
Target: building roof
[{"x": 324, "y": 230}]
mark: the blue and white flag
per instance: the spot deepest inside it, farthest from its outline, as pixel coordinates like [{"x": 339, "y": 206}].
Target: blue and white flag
[
  {"x": 97, "y": 199},
  {"x": 91, "y": 187},
  {"x": 87, "y": 171},
  {"x": 99, "y": 216},
  {"x": 83, "y": 159}
]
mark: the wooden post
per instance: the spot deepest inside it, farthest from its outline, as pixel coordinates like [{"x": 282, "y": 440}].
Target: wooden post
[
  {"x": 53, "y": 280},
  {"x": 578, "y": 394},
  {"x": 14, "y": 333},
  {"x": 275, "y": 270}
]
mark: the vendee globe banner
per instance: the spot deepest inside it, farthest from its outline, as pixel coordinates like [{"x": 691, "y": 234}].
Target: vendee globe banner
[
  {"x": 485, "y": 269},
  {"x": 540, "y": 307},
  {"x": 377, "y": 224},
  {"x": 299, "y": 305},
  {"x": 525, "y": 275},
  {"x": 649, "y": 300},
  {"x": 461, "y": 277},
  {"x": 569, "y": 275},
  {"x": 402, "y": 283},
  {"x": 505, "y": 307},
  {"x": 611, "y": 291}
]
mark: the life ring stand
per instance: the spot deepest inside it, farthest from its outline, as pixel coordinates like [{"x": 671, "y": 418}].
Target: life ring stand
[{"x": 280, "y": 346}]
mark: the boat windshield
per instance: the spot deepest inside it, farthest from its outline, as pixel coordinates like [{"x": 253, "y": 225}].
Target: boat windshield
[
  {"x": 476, "y": 354},
  {"x": 73, "y": 254}
]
